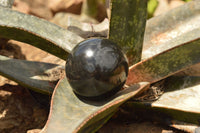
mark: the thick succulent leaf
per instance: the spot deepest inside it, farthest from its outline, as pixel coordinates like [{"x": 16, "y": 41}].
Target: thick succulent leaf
[
  {"x": 37, "y": 32},
  {"x": 181, "y": 101},
  {"x": 70, "y": 114},
  {"x": 191, "y": 71},
  {"x": 171, "y": 29},
  {"x": 182, "y": 93},
  {"x": 127, "y": 25},
  {"x": 166, "y": 63},
  {"x": 34, "y": 75}
]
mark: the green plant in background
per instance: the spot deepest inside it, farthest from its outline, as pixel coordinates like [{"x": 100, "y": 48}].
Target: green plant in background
[
  {"x": 165, "y": 48},
  {"x": 151, "y": 7},
  {"x": 186, "y": 0}
]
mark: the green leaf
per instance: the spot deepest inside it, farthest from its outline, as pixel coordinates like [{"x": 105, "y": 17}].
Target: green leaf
[
  {"x": 186, "y": 0},
  {"x": 181, "y": 101},
  {"x": 90, "y": 8},
  {"x": 37, "y": 76},
  {"x": 166, "y": 63},
  {"x": 151, "y": 7},
  {"x": 127, "y": 25},
  {"x": 69, "y": 113},
  {"x": 37, "y": 32},
  {"x": 171, "y": 29}
]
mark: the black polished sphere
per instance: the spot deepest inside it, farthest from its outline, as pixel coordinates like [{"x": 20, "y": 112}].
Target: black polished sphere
[{"x": 96, "y": 68}]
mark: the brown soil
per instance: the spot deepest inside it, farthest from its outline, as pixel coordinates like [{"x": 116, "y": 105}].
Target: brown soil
[{"x": 19, "y": 112}]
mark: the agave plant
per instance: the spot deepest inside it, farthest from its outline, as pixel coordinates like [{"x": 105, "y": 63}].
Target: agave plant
[{"x": 165, "y": 48}]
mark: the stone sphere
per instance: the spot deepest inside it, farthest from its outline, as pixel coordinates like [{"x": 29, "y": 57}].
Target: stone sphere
[{"x": 96, "y": 68}]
